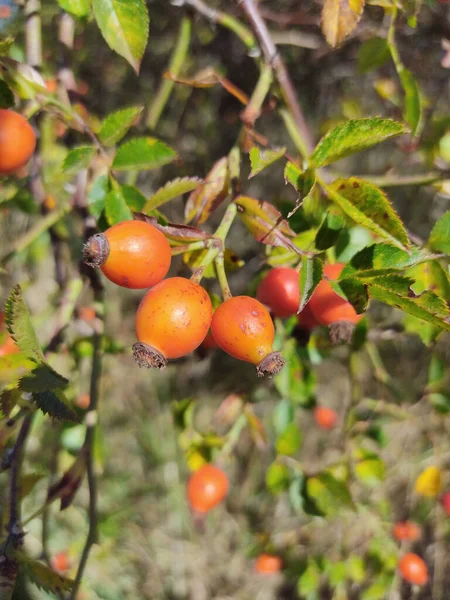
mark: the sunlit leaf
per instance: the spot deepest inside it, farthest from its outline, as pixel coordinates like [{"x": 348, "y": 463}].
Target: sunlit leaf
[
  {"x": 330, "y": 494},
  {"x": 116, "y": 125},
  {"x": 260, "y": 159},
  {"x": 42, "y": 575},
  {"x": 124, "y": 25},
  {"x": 353, "y": 136},
  {"x": 143, "y": 153},
  {"x": 429, "y": 482},
  {"x": 210, "y": 194},
  {"x": 172, "y": 189},
  {"x": 367, "y": 205},
  {"x": 79, "y": 8},
  {"x": 289, "y": 441},
  {"x": 19, "y": 324},
  {"x": 339, "y": 19},
  {"x": 116, "y": 208},
  {"x": 440, "y": 234},
  {"x": 78, "y": 159},
  {"x": 412, "y": 105}
]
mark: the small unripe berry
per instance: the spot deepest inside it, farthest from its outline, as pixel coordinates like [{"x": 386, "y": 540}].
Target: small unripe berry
[
  {"x": 332, "y": 310},
  {"x": 206, "y": 488},
  {"x": 172, "y": 320},
  {"x": 267, "y": 564},
  {"x": 326, "y": 418},
  {"x": 132, "y": 254},
  {"x": 243, "y": 328},
  {"x": 17, "y": 141},
  {"x": 413, "y": 569}
]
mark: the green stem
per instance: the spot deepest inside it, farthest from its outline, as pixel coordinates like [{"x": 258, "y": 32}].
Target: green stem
[
  {"x": 176, "y": 250},
  {"x": 176, "y": 62},
  {"x": 42, "y": 225},
  {"x": 294, "y": 132},
  {"x": 253, "y": 109},
  {"x": 227, "y": 221},
  {"x": 222, "y": 276}
]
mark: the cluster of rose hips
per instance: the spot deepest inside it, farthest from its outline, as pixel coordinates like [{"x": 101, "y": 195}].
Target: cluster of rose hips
[{"x": 176, "y": 314}]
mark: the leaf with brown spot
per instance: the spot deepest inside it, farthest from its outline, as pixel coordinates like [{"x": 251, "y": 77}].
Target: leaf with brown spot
[
  {"x": 208, "y": 196},
  {"x": 265, "y": 222},
  {"x": 339, "y": 19}
]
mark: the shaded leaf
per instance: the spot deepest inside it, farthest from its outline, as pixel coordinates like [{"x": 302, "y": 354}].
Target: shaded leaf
[
  {"x": 55, "y": 404},
  {"x": 367, "y": 205},
  {"x": 28, "y": 482},
  {"x": 116, "y": 208},
  {"x": 440, "y": 234},
  {"x": 210, "y": 194},
  {"x": 79, "y": 8},
  {"x": 6, "y": 96},
  {"x": 339, "y": 19},
  {"x": 143, "y": 153},
  {"x": 97, "y": 195},
  {"x": 66, "y": 488},
  {"x": 265, "y": 222},
  {"x": 19, "y": 325},
  {"x": 256, "y": 427},
  {"x": 374, "y": 53},
  {"x": 356, "y": 292},
  {"x": 42, "y": 575},
  {"x": 353, "y": 136},
  {"x": 124, "y": 25},
  {"x": 329, "y": 231},
  {"x": 310, "y": 276},
  {"x": 78, "y": 159},
  {"x": 133, "y": 197},
  {"x": 172, "y": 189},
  {"x": 260, "y": 159},
  {"x": 42, "y": 378},
  {"x": 116, "y": 125}
]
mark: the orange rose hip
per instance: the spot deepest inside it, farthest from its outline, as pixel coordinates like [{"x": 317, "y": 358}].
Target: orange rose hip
[
  {"x": 17, "y": 141},
  {"x": 243, "y": 328},
  {"x": 267, "y": 564},
  {"x": 413, "y": 569},
  {"x": 206, "y": 488},
  {"x": 172, "y": 320},
  {"x": 132, "y": 254}
]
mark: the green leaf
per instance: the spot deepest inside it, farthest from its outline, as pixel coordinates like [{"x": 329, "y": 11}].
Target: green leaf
[
  {"x": 277, "y": 478},
  {"x": 42, "y": 575},
  {"x": 25, "y": 81},
  {"x": 440, "y": 235},
  {"x": 329, "y": 231},
  {"x": 412, "y": 108},
  {"x": 283, "y": 414},
  {"x": 42, "y": 378},
  {"x": 78, "y": 159},
  {"x": 355, "y": 291},
  {"x": 296, "y": 381},
  {"x": 124, "y": 25},
  {"x": 28, "y": 482},
  {"x": 6, "y": 96},
  {"x": 97, "y": 195},
  {"x": 311, "y": 275},
  {"x": 396, "y": 291},
  {"x": 368, "y": 206},
  {"x": 79, "y": 8},
  {"x": 353, "y": 136},
  {"x": 355, "y": 568},
  {"x": 330, "y": 494},
  {"x": 441, "y": 402},
  {"x": 260, "y": 159},
  {"x": 6, "y": 43},
  {"x": 208, "y": 196},
  {"x": 172, "y": 189},
  {"x": 55, "y": 404},
  {"x": 116, "y": 125},
  {"x": 19, "y": 325},
  {"x": 370, "y": 471},
  {"x": 116, "y": 208},
  {"x": 289, "y": 441},
  {"x": 379, "y": 259},
  {"x": 143, "y": 153},
  {"x": 133, "y": 197},
  {"x": 374, "y": 53},
  {"x": 308, "y": 585}
]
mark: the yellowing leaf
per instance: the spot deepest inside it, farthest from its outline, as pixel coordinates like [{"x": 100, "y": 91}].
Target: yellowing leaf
[
  {"x": 429, "y": 482},
  {"x": 339, "y": 19}
]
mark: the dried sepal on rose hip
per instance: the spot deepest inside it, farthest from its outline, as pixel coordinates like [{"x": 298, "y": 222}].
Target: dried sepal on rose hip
[
  {"x": 172, "y": 320},
  {"x": 17, "y": 141},
  {"x": 329, "y": 309},
  {"x": 132, "y": 254},
  {"x": 243, "y": 328}
]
